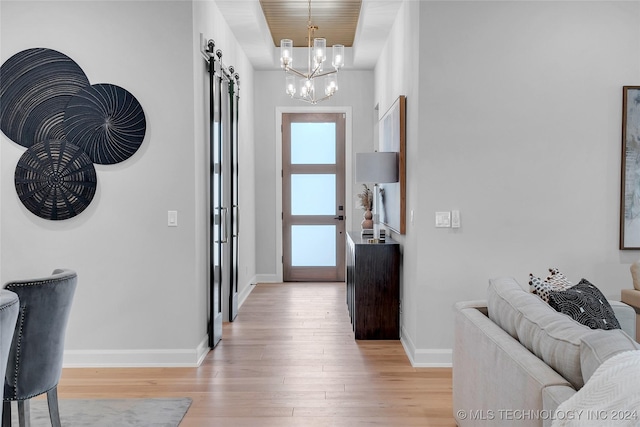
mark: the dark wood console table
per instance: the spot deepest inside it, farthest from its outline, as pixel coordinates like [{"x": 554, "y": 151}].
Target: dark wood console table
[{"x": 373, "y": 288}]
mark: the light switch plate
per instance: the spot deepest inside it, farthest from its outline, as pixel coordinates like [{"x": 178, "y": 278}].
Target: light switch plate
[
  {"x": 443, "y": 219},
  {"x": 172, "y": 218},
  {"x": 455, "y": 218}
]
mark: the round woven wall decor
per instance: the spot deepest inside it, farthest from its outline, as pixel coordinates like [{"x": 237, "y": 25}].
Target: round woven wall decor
[
  {"x": 55, "y": 179},
  {"x": 35, "y": 87},
  {"x": 106, "y": 121}
]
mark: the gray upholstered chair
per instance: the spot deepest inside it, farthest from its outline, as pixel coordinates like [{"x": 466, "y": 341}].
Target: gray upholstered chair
[
  {"x": 8, "y": 316},
  {"x": 35, "y": 357}
]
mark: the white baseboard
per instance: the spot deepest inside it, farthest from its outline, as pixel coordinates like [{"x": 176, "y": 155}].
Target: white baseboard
[
  {"x": 146, "y": 358},
  {"x": 267, "y": 278},
  {"x": 202, "y": 350},
  {"x": 244, "y": 294},
  {"x": 174, "y": 358},
  {"x": 426, "y": 358}
]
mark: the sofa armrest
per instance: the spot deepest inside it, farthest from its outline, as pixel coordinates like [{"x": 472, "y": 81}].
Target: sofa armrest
[
  {"x": 480, "y": 305},
  {"x": 552, "y": 397},
  {"x": 632, "y": 297},
  {"x": 626, "y": 316},
  {"x": 493, "y": 372}
]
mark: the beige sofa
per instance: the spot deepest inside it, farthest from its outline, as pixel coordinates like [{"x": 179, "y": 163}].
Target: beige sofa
[
  {"x": 632, "y": 296},
  {"x": 515, "y": 359}
]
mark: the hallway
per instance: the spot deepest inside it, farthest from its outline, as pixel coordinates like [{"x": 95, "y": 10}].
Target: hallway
[{"x": 289, "y": 360}]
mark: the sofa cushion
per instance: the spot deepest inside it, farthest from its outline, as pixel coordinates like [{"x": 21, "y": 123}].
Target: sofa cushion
[
  {"x": 504, "y": 297},
  {"x": 552, "y": 336},
  {"x": 601, "y": 345},
  {"x": 585, "y": 304}
]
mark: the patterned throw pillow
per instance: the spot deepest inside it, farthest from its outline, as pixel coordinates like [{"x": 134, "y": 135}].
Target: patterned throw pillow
[
  {"x": 539, "y": 287},
  {"x": 585, "y": 304},
  {"x": 554, "y": 282},
  {"x": 558, "y": 280}
]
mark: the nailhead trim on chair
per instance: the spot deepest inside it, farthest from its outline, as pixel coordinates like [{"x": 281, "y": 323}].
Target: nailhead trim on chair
[
  {"x": 34, "y": 283},
  {"x": 18, "y": 345}
]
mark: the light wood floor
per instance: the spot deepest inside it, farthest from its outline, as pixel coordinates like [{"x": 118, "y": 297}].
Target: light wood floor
[{"x": 289, "y": 359}]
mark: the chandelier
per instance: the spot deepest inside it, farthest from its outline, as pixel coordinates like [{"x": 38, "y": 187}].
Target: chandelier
[{"x": 303, "y": 86}]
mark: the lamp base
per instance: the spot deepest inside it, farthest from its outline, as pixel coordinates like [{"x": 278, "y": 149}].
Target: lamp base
[{"x": 367, "y": 222}]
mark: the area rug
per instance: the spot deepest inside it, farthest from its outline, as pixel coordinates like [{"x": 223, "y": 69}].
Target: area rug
[{"x": 109, "y": 412}]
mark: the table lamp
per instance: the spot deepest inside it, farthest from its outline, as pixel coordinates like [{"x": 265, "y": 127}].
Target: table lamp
[{"x": 377, "y": 168}]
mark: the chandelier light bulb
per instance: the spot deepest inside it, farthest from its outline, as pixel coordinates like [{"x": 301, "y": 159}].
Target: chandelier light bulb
[
  {"x": 291, "y": 85},
  {"x": 286, "y": 53},
  {"x": 319, "y": 50},
  {"x": 338, "y": 56},
  {"x": 307, "y": 88},
  {"x": 331, "y": 84}
]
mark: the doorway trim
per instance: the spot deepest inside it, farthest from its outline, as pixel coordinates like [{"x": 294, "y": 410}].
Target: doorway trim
[{"x": 348, "y": 177}]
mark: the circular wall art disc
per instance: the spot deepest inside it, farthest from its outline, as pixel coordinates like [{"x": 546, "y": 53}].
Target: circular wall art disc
[
  {"x": 55, "y": 179},
  {"x": 106, "y": 121},
  {"x": 35, "y": 88}
]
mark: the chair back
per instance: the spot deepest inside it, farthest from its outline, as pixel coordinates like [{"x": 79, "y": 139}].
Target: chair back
[{"x": 35, "y": 357}]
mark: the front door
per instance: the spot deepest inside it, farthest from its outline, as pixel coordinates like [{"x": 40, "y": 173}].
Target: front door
[{"x": 313, "y": 196}]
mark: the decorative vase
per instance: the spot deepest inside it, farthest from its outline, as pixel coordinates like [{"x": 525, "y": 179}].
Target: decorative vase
[{"x": 367, "y": 222}]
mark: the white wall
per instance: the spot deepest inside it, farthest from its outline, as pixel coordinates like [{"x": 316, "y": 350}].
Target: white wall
[
  {"x": 397, "y": 73},
  {"x": 142, "y": 285},
  {"x": 355, "y": 92},
  {"x": 519, "y": 128}
]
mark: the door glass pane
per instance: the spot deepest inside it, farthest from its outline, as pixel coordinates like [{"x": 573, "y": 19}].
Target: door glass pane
[
  {"x": 313, "y": 143},
  {"x": 313, "y": 245},
  {"x": 313, "y": 194}
]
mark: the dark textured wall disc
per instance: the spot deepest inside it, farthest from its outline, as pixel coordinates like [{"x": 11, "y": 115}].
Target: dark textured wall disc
[
  {"x": 106, "y": 121},
  {"x": 35, "y": 88},
  {"x": 55, "y": 179}
]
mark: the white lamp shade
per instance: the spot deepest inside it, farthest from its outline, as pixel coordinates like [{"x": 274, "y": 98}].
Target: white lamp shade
[
  {"x": 378, "y": 167},
  {"x": 320, "y": 50},
  {"x": 291, "y": 85},
  {"x": 338, "y": 56},
  {"x": 330, "y": 84}
]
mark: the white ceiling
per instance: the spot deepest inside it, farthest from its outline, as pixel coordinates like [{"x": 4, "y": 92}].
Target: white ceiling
[{"x": 248, "y": 24}]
